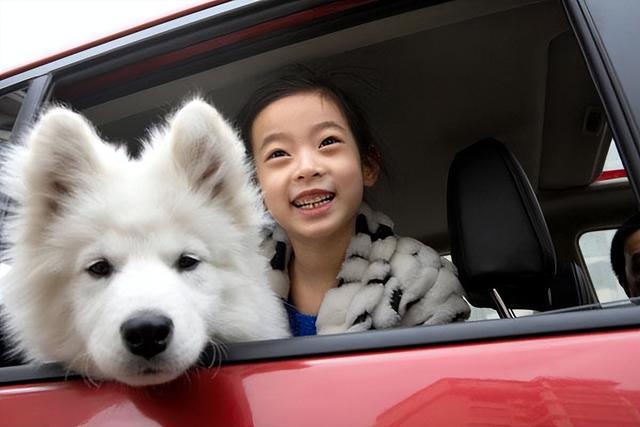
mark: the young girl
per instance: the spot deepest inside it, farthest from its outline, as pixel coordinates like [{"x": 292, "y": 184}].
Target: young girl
[{"x": 336, "y": 263}]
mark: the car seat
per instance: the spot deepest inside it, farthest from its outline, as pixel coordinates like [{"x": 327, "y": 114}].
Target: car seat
[{"x": 500, "y": 242}]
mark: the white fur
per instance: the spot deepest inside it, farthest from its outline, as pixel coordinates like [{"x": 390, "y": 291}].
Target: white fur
[{"x": 80, "y": 200}]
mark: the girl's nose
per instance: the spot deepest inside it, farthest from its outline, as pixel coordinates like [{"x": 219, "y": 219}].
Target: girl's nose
[{"x": 308, "y": 167}]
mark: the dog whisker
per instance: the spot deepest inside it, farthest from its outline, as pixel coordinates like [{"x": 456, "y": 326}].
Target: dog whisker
[
  {"x": 91, "y": 382},
  {"x": 187, "y": 376},
  {"x": 96, "y": 382},
  {"x": 218, "y": 351},
  {"x": 86, "y": 377},
  {"x": 214, "y": 355},
  {"x": 81, "y": 359}
]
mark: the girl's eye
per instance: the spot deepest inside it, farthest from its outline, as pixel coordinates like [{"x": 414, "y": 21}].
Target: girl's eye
[
  {"x": 101, "y": 268},
  {"x": 330, "y": 140},
  {"x": 187, "y": 262},
  {"x": 277, "y": 153}
]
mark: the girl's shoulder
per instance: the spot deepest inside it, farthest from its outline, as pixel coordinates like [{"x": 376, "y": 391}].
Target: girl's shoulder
[{"x": 407, "y": 250}]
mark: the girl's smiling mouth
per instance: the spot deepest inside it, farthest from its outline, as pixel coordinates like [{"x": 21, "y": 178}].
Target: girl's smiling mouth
[{"x": 314, "y": 201}]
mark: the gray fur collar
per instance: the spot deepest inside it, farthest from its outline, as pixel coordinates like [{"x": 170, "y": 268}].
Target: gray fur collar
[{"x": 385, "y": 280}]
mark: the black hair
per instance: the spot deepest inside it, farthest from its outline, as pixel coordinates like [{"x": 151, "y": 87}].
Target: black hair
[
  {"x": 630, "y": 226},
  {"x": 298, "y": 78}
]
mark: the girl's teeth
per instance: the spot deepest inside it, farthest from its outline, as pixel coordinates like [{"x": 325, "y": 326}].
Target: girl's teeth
[{"x": 312, "y": 204}]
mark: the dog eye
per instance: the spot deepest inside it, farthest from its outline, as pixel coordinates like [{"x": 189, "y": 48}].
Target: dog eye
[
  {"x": 187, "y": 262},
  {"x": 100, "y": 268}
]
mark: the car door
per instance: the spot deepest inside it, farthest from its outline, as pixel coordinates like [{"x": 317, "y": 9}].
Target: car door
[{"x": 567, "y": 367}]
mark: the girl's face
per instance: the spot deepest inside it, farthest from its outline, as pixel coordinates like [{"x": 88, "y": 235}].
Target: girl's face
[{"x": 308, "y": 166}]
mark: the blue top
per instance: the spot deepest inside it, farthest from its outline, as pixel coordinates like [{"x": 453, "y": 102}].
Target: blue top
[{"x": 301, "y": 324}]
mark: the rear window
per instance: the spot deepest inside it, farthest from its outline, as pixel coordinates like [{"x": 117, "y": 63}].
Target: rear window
[
  {"x": 595, "y": 246},
  {"x": 613, "y": 167}
]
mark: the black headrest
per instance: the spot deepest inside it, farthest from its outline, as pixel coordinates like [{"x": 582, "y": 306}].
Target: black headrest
[{"x": 499, "y": 238}]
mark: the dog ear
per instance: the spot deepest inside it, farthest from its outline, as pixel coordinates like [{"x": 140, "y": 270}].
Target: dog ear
[
  {"x": 60, "y": 157},
  {"x": 208, "y": 150}
]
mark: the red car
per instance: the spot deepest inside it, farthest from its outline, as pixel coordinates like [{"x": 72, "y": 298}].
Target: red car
[{"x": 552, "y": 340}]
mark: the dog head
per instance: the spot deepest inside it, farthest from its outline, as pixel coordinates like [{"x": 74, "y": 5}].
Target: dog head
[{"x": 127, "y": 269}]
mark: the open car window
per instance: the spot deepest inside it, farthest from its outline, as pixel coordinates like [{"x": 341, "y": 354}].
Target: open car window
[{"x": 445, "y": 74}]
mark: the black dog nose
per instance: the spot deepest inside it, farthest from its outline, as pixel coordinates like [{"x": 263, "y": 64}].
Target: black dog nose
[{"x": 147, "y": 334}]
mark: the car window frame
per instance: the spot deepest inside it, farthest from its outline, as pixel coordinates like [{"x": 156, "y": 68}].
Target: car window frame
[{"x": 593, "y": 27}]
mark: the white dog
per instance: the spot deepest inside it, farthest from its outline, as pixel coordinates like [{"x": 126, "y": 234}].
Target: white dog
[{"x": 127, "y": 269}]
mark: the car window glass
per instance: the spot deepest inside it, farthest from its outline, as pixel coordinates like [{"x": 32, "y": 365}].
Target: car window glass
[
  {"x": 613, "y": 167},
  {"x": 595, "y": 246},
  {"x": 613, "y": 160},
  {"x": 9, "y": 107}
]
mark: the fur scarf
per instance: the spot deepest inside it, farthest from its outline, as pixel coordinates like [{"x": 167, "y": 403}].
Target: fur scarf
[{"x": 385, "y": 280}]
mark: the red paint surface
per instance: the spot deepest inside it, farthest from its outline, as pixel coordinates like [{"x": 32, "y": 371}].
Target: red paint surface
[
  {"x": 612, "y": 174},
  {"x": 582, "y": 380}
]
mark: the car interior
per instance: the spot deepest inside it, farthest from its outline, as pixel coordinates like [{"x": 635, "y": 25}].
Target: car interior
[
  {"x": 491, "y": 129},
  {"x": 434, "y": 81}
]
